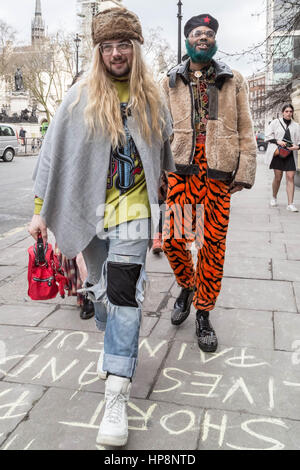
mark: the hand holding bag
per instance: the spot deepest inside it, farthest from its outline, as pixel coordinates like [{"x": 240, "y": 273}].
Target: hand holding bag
[
  {"x": 44, "y": 273},
  {"x": 283, "y": 152}
]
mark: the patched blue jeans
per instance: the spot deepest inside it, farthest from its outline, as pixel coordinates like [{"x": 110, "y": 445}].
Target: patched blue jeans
[{"x": 116, "y": 270}]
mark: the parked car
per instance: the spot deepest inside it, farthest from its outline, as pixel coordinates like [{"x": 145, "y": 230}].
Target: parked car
[
  {"x": 9, "y": 145},
  {"x": 261, "y": 143}
]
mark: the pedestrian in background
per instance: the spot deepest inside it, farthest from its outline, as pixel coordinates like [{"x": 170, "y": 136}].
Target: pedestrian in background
[
  {"x": 283, "y": 132},
  {"x": 76, "y": 273},
  {"x": 22, "y": 135}
]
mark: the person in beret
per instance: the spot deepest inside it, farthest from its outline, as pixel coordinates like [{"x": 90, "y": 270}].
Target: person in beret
[
  {"x": 215, "y": 154},
  {"x": 97, "y": 182}
]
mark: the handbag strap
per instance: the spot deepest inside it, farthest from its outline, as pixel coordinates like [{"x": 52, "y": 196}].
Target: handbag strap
[
  {"x": 282, "y": 126},
  {"x": 285, "y": 129}
]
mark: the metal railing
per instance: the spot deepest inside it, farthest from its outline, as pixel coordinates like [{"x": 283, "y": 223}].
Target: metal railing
[{"x": 29, "y": 145}]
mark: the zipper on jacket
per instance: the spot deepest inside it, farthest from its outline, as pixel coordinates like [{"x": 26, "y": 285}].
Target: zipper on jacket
[{"x": 193, "y": 124}]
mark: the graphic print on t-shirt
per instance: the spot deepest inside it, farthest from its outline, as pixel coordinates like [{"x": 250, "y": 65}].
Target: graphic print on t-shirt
[
  {"x": 125, "y": 162},
  {"x": 126, "y": 192}
]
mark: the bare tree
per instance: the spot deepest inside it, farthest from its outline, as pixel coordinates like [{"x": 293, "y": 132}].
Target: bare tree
[
  {"x": 278, "y": 93},
  {"x": 65, "y": 44},
  {"x": 158, "y": 52},
  {"x": 288, "y": 21},
  {"x": 7, "y": 39},
  {"x": 48, "y": 69},
  {"x": 279, "y": 50}
]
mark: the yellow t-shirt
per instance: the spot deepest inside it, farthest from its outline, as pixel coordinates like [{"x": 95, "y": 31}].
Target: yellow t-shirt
[{"x": 126, "y": 194}]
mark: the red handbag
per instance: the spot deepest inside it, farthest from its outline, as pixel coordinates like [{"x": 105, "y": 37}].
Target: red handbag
[
  {"x": 45, "y": 275},
  {"x": 282, "y": 152}
]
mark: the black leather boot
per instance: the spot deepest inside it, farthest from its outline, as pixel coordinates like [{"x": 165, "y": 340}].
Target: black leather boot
[
  {"x": 87, "y": 310},
  {"x": 182, "y": 306},
  {"x": 207, "y": 338}
]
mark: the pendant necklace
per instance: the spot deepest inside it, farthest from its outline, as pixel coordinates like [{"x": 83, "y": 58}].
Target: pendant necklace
[{"x": 198, "y": 75}]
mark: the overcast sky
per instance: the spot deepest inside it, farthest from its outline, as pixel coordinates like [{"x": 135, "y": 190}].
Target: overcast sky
[{"x": 242, "y": 22}]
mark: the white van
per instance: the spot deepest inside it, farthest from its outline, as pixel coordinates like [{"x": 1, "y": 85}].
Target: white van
[{"x": 9, "y": 145}]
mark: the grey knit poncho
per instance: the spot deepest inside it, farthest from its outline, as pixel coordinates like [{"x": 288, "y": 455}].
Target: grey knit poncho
[{"x": 72, "y": 168}]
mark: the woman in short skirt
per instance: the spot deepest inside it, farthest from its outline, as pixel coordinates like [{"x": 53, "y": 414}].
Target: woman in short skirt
[{"x": 281, "y": 130}]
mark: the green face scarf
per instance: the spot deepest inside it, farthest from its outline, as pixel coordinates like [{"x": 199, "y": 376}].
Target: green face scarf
[{"x": 200, "y": 57}]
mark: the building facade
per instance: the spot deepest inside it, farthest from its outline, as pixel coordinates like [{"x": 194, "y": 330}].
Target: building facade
[
  {"x": 47, "y": 74},
  {"x": 257, "y": 97},
  {"x": 283, "y": 45},
  {"x": 283, "y": 55}
]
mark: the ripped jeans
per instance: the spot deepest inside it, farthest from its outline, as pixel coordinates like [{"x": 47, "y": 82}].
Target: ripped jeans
[{"x": 116, "y": 270}]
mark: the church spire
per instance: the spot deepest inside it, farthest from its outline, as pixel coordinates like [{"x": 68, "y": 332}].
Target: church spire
[
  {"x": 38, "y": 8},
  {"x": 37, "y": 25}
]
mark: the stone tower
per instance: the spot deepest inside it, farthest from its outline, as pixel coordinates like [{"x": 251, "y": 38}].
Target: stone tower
[{"x": 37, "y": 25}]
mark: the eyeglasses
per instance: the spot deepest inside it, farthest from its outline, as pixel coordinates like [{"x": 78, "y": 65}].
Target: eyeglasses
[
  {"x": 122, "y": 48},
  {"x": 197, "y": 33}
]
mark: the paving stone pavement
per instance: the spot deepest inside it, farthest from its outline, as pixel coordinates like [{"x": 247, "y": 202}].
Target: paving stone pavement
[{"x": 245, "y": 396}]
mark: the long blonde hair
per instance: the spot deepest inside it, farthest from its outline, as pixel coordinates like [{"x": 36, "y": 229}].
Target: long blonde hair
[{"x": 103, "y": 105}]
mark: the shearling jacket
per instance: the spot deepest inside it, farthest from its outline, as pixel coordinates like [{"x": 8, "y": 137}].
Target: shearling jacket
[{"x": 230, "y": 141}]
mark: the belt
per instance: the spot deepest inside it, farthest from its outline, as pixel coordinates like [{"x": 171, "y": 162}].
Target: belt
[{"x": 187, "y": 169}]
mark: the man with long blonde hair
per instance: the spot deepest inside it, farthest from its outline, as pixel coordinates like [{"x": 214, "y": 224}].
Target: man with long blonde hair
[{"x": 96, "y": 186}]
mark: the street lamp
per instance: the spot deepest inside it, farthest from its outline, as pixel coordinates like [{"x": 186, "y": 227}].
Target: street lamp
[
  {"x": 77, "y": 41},
  {"x": 179, "y": 16}
]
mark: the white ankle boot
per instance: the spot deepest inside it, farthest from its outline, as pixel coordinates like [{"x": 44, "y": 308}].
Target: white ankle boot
[{"x": 113, "y": 429}]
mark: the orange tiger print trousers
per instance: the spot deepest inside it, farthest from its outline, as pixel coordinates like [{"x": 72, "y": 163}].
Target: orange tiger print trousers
[{"x": 203, "y": 217}]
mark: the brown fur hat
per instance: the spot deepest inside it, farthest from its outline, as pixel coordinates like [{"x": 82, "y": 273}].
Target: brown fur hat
[{"x": 116, "y": 23}]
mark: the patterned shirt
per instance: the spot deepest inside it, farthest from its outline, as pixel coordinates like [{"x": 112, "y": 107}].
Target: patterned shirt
[{"x": 200, "y": 81}]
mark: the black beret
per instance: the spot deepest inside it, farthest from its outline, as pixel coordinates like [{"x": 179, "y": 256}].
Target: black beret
[{"x": 200, "y": 20}]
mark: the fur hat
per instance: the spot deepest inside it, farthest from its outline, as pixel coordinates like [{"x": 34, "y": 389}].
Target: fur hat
[
  {"x": 201, "y": 20},
  {"x": 116, "y": 23}
]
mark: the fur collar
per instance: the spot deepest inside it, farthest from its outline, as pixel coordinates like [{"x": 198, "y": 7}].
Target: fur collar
[{"x": 223, "y": 72}]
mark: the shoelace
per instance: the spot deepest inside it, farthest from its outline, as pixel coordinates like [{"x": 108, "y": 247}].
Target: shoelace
[{"x": 114, "y": 406}]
